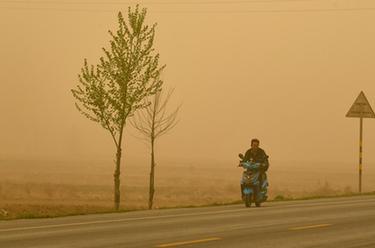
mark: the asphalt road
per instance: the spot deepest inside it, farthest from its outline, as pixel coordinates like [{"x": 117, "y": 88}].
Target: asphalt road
[{"x": 338, "y": 222}]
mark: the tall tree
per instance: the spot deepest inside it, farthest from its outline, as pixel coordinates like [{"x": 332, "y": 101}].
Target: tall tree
[
  {"x": 153, "y": 122},
  {"x": 126, "y": 75}
]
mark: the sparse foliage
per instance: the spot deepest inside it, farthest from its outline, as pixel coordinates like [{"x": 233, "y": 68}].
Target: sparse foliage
[
  {"x": 153, "y": 122},
  {"x": 117, "y": 87}
]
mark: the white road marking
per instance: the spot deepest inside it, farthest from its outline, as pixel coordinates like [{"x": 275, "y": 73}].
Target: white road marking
[
  {"x": 117, "y": 221},
  {"x": 281, "y": 206},
  {"x": 309, "y": 227}
]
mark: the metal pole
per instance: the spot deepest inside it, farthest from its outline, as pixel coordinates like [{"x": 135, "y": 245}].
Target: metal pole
[{"x": 360, "y": 153}]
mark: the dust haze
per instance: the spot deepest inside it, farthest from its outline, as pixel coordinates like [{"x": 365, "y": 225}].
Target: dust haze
[{"x": 286, "y": 78}]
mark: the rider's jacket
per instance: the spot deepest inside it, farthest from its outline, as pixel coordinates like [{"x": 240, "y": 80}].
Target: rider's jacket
[{"x": 257, "y": 156}]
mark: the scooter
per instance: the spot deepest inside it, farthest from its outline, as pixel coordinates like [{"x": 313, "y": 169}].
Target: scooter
[{"x": 254, "y": 187}]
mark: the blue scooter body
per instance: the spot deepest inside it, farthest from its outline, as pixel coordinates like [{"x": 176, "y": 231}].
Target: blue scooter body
[{"x": 251, "y": 181}]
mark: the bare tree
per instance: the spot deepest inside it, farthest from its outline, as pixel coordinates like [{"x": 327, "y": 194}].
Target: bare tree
[
  {"x": 153, "y": 122},
  {"x": 127, "y": 74}
]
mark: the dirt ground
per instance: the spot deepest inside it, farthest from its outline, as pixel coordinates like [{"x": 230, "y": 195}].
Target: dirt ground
[{"x": 29, "y": 188}]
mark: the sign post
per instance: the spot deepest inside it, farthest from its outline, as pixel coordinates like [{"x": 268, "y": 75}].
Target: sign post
[
  {"x": 360, "y": 153},
  {"x": 361, "y": 108}
]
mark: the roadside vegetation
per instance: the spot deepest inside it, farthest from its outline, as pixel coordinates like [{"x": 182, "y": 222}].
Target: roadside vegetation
[
  {"x": 46, "y": 200},
  {"x": 110, "y": 92},
  {"x": 36, "y": 189},
  {"x": 11, "y": 211}
]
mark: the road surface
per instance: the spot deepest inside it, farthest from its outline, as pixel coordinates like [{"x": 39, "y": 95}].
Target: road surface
[{"x": 337, "y": 222}]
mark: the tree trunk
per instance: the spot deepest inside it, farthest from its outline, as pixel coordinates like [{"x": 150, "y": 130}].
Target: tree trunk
[
  {"x": 152, "y": 177},
  {"x": 116, "y": 176}
]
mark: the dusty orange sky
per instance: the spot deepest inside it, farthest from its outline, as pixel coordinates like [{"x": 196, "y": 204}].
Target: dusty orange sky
[{"x": 287, "y": 78}]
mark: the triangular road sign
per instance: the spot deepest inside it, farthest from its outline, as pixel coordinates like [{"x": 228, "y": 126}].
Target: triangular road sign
[{"x": 361, "y": 108}]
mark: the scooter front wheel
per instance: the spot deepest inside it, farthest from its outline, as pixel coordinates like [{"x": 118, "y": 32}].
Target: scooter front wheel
[{"x": 248, "y": 200}]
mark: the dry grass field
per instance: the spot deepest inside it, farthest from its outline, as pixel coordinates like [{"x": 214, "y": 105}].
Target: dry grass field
[{"x": 55, "y": 188}]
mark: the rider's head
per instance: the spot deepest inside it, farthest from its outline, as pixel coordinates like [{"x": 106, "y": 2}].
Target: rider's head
[{"x": 255, "y": 143}]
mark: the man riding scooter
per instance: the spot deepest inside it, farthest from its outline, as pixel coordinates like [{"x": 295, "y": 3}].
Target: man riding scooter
[{"x": 258, "y": 156}]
